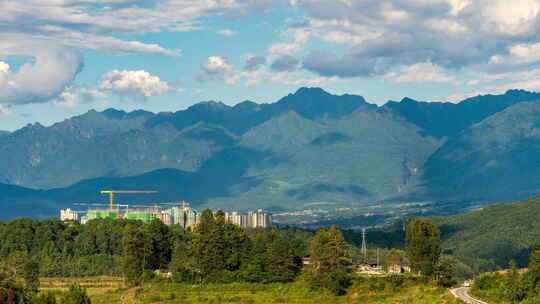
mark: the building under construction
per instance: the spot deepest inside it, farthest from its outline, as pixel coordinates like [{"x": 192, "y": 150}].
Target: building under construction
[{"x": 168, "y": 213}]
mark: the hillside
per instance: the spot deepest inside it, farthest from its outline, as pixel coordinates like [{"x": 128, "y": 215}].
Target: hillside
[
  {"x": 309, "y": 150},
  {"x": 496, "y": 159},
  {"x": 442, "y": 119},
  {"x": 493, "y": 236}
]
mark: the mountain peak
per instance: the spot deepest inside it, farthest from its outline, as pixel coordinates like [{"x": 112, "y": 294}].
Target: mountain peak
[
  {"x": 114, "y": 113},
  {"x": 408, "y": 100},
  {"x": 311, "y": 91},
  {"x": 211, "y": 105}
]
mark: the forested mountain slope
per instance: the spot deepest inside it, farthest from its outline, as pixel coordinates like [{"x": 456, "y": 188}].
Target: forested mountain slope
[
  {"x": 496, "y": 159},
  {"x": 310, "y": 148},
  {"x": 494, "y": 235}
]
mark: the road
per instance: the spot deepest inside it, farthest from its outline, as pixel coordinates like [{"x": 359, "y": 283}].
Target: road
[{"x": 462, "y": 294}]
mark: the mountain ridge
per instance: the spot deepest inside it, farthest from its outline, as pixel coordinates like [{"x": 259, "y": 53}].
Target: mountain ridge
[{"x": 310, "y": 147}]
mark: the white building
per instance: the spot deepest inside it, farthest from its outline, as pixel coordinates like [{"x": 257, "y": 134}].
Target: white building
[
  {"x": 68, "y": 215},
  {"x": 259, "y": 219}
]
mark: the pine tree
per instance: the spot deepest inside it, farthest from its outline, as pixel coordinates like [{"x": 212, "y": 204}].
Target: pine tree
[
  {"x": 444, "y": 273},
  {"x": 182, "y": 263},
  {"x": 160, "y": 244},
  {"x": 328, "y": 261},
  {"x": 279, "y": 259},
  {"x": 254, "y": 267},
  {"x": 423, "y": 245},
  {"x": 534, "y": 267},
  {"x": 513, "y": 287},
  {"x": 135, "y": 254},
  {"x": 207, "y": 247}
]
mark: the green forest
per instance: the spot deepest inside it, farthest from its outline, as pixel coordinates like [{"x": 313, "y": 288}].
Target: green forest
[{"x": 215, "y": 252}]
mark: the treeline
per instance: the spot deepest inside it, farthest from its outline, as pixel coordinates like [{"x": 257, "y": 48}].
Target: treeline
[
  {"x": 512, "y": 285},
  {"x": 68, "y": 249},
  {"x": 216, "y": 251}
]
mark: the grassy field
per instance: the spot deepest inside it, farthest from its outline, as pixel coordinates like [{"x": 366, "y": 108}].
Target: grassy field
[
  {"x": 94, "y": 285},
  {"x": 108, "y": 290}
]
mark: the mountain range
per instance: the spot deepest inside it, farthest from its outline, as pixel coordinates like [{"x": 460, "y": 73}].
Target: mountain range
[{"x": 309, "y": 149}]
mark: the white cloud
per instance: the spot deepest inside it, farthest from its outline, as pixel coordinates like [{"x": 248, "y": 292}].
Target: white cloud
[
  {"x": 5, "y": 109},
  {"x": 424, "y": 72},
  {"x": 453, "y": 34},
  {"x": 514, "y": 17},
  {"x": 283, "y": 48},
  {"x": 216, "y": 68},
  {"x": 66, "y": 99},
  {"x": 226, "y": 32},
  {"x": 134, "y": 84},
  {"x": 52, "y": 70}
]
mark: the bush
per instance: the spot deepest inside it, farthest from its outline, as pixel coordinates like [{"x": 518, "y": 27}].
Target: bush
[
  {"x": 76, "y": 295},
  {"x": 43, "y": 298}
]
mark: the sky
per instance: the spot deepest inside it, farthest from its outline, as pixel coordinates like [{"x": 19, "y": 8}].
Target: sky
[{"x": 61, "y": 58}]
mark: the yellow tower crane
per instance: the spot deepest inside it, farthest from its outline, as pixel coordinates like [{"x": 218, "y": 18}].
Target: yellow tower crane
[{"x": 111, "y": 194}]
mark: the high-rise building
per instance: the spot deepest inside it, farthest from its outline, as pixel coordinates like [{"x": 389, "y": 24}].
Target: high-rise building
[
  {"x": 251, "y": 219},
  {"x": 192, "y": 218},
  {"x": 68, "y": 215}
]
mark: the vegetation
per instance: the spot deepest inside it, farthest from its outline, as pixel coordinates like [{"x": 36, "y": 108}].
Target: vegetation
[
  {"x": 423, "y": 246},
  {"x": 373, "y": 290},
  {"x": 512, "y": 285},
  {"x": 328, "y": 261},
  {"x": 487, "y": 239},
  {"x": 153, "y": 257}
]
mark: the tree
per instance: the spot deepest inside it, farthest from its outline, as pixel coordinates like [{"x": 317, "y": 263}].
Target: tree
[
  {"x": 160, "y": 244},
  {"x": 514, "y": 290},
  {"x": 30, "y": 273},
  {"x": 207, "y": 247},
  {"x": 76, "y": 295},
  {"x": 445, "y": 272},
  {"x": 328, "y": 261},
  {"x": 182, "y": 263},
  {"x": 423, "y": 245},
  {"x": 10, "y": 290},
  {"x": 534, "y": 267},
  {"x": 135, "y": 254},
  {"x": 279, "y": 259}
]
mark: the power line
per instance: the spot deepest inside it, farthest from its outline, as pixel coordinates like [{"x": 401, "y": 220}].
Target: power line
[{"x": 364, "y": 247}]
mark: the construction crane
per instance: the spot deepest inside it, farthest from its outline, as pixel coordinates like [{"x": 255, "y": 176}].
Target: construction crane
[{"x": 111, "y": 194}]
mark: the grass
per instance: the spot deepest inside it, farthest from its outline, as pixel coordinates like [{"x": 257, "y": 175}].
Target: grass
[
  {"x": 94, "y": 285},
  {"x": 108, "y": 290}
]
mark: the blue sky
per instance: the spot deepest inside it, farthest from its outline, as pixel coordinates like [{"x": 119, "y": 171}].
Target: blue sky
[{"x": 60, "y": 58}]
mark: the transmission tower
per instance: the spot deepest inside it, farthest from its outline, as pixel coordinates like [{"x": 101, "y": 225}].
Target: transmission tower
[{"x": 364, "y": 247}]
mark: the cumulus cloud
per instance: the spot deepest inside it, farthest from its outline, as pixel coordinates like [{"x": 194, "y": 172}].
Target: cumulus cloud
[
  {"x": 52, "y": 70},
  {"x": 254, "y": 62},
  {"x": 139, "y": 84},
  {"x": 451, "y": 34},
  {"x": 66, "y": 99},
  {"x": 283, "y": 48},
  {"x": 424, "y": 72},
  {"x": 285, "y": 63},
  {"x": 217, "y": 68}
]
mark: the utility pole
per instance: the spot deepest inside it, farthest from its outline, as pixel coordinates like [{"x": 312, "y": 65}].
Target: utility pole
[{"x": 364, "y": 247}]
